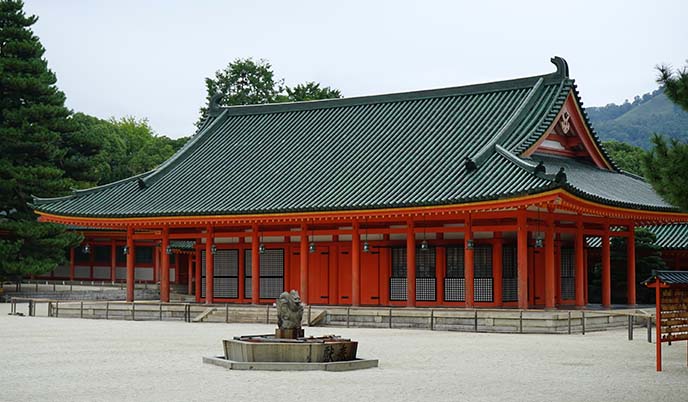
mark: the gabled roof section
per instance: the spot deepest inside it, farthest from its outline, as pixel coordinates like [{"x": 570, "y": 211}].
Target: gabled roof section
[
  {"x": 590, "y": 182},
  {"x": 668, "y": 277},
  {"x": 435, "y": 147},
  {"x": 569, "y": 133},
  {"x": 671, "y": 237}
]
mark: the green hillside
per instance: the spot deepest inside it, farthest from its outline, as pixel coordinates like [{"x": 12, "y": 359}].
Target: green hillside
[{"x": 635, "y": 122}]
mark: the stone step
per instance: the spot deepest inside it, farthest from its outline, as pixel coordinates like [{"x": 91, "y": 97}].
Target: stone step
[{"x": 201, "y": 317}]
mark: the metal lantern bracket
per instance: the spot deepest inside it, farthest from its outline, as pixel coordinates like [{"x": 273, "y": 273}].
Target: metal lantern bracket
[{"x": 311, "y": 244}]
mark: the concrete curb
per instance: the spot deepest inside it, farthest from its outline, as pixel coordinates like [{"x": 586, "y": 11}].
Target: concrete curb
[{"x": 357, "y": 364}]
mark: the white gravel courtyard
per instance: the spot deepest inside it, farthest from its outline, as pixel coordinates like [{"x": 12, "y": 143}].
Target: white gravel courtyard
[{"x": 48, "y": 359}]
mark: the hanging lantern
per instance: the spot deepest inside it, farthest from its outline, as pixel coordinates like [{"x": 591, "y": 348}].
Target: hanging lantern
[
  {"x": 424, "y": 246},
  {"x": 87, "y": 248},
  {"x": 366, "y": 247},
  {"x": 213, "y": 249},
  {"x": 311, "y": 248},
  {"x": 470, "y": 244},
  {"x": 261, "y": 248},
  {"x": 168, "y": 250},
  {"x": 125, "y": 250}
]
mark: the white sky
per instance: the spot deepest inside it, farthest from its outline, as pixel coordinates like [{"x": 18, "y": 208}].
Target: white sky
[{"x": 149, "y": 58}]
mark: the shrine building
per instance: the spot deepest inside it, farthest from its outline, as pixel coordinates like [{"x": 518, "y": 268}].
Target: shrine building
[{"x": 472, "y": 196}]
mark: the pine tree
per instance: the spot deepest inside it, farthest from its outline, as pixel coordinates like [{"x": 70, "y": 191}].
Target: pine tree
[
  {"x": 666, "y": 164},
  {"x": 675, "y": 84},
  {"x": 35, "y": 140}
]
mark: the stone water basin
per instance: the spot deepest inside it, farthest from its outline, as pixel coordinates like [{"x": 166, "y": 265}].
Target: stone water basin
[{"x": 268, "y": 348}]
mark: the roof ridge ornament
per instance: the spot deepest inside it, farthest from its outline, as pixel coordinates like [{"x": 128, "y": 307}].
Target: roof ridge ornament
[
  {"x": 562, "y": 66},
  {"x": 516, "y": 117},
  {"x": 469, "y": 164},
  {"x": 561, "y": 176},
  {"x": 523, "y": 164},
  {"x": 214, "y": 108}
]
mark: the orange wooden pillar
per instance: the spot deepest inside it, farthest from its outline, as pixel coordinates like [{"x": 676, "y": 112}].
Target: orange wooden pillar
[
  {"x": 197, "y": 272},
  {"x": 130, "y": 264},
  {"x": 522, "y": 255},
  {"x": 156, "y": 264},
  {"x": 209, "y": 265},
  {"x": 71, "y": 264},
  {"x": 606, "y": 269},
  {"x": 242, "y": 270},
  {"x": 165, "y": 266},
  {"x": 410, "y": 265},
  {"x": 440, "y": 269},
  {"x": 658, "y": 323},
  {"x": 550, "y": 280},
  {"x": 580, "y": 264},
  {"x": 189, "y": 273},
  {"x": 468, "y": 258},
  {"x": 630, "y": 269},
  {"x": 303, "y": 264},
  {"x": 255, "y": 265},
  {"x": 355, "y": 265},
  {"x": 113, "y": 260},
  {"x": 497, "y": 249},
  {"x": 557, "y": 264}
]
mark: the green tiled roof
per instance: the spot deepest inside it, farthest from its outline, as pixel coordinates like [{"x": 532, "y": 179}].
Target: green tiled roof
[
  {"x": 183, "y": 245},
  {"x": 443, "y": 146},
  {"x": 669, "y": 237},
  {"x": 604, "y": 186},
  {"x": 669, "y": 277}
]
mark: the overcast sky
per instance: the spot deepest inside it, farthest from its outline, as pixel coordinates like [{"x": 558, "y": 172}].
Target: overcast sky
[{"x": 149, "y": 58}]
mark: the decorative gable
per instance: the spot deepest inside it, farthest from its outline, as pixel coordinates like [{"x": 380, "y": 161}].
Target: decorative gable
[{"x": 570, "y": 137}]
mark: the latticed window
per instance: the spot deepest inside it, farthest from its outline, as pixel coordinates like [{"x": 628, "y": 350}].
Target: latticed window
[
  {"x": 248, "y": 280},
  {"x": 271, "y": 273},
  {"x": 226, "y": 274},
  {"x": 203, "y": 281},
  {"x": 482, "y": 272},
  {"x": 399, "y": 263},
  {"x": 425, "y": 263},
  {"x": 397, "y": 283},
  {"x": 568, "y": 273},
  {"x": 482, "y": 261},
  {"x": 455, "y": 262},
  {"x": 425, "y": 274},
  {"x": 509, "y": 274},
  {"x": 454, "y": 282}
]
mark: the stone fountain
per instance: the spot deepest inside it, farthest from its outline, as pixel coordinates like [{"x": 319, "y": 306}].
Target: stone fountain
[{"x": 289, "y": 348}]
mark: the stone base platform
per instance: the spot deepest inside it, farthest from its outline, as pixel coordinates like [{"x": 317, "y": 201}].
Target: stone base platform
[{"x": 357, "y": 364}]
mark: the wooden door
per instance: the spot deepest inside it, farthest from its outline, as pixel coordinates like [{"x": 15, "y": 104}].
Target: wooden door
[
  {"x": 344, "y": 275},
  {"x": 318, "y": 276},
  {"x": 370, "y": 278}
]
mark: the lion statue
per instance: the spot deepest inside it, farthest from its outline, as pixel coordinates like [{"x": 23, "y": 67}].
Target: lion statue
[{"x": 289, "y": 310}]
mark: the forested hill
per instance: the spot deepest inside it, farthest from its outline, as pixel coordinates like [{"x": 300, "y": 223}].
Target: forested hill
[{"x": 635, "y": 122}]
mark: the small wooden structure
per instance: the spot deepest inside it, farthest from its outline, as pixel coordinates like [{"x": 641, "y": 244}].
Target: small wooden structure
[{"x": 671, "y": 289}]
